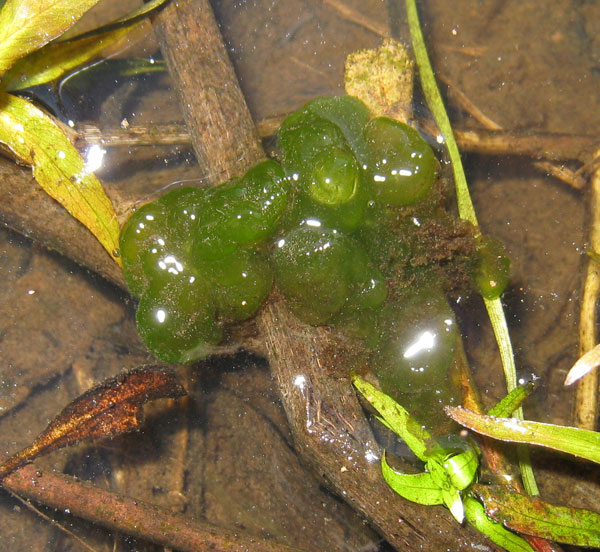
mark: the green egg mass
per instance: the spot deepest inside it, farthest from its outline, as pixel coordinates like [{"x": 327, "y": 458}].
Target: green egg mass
[
  {"x": 333, "y": 266},
  {"x": 492, "y": 267},
  {"x": 401, "y": 166},
  {"x": 418, "y": 340},
  {"x": 325, "y": 225}
]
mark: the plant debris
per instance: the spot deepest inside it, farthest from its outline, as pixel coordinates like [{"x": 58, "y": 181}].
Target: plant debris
[{"x": 107, "y": 410}]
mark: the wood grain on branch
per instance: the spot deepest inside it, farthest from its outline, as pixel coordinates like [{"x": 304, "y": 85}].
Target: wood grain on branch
[{"x": 222, "y": 131}]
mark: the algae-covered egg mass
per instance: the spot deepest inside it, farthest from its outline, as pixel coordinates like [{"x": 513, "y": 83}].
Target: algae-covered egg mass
[{"x": 327, "y": 224}]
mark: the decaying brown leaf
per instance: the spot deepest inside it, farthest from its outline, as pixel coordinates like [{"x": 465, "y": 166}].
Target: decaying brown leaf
[{"x": 106, "y": 410}]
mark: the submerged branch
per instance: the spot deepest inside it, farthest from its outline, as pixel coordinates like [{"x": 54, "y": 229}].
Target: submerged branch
[
  {"x": 129, "y": 516},
  {"x": 213, "y": 105},
  {"x": 537, "y": 145},
  {"x": 586, "y": 402}
]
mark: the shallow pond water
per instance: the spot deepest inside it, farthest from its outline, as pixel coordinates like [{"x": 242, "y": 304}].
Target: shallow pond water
[{"x": 228, "y": 456}]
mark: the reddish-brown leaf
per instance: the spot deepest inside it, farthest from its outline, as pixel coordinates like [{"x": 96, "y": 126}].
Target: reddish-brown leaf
[
  {"x": 533, "y": 516},
  {"x": 106, "y": 410}
]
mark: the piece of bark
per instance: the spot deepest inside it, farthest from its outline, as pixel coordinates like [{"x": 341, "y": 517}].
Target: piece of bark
[
  {"x": 223, "y": 135},
  {"x": 332, "y": 435}
]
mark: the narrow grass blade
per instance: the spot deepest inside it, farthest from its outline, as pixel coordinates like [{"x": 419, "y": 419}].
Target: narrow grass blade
[
  {"x": 466, "y": 209},
  {"x": 571, "y": 440}
]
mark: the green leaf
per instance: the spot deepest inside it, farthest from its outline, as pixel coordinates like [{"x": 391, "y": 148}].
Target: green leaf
[
  {"x": 418, "y": 487},
  {"x": 37, "y": 140},
  {"x": 26, "y": 25},
  {"x": 476, "y": 516},
  {"x": 572, "y": 440},
  {"x": 533, "y": 516},
  {"x": 439, "y": 475},
  {"x": 396, "y": 418},
  {"x": 512, "y": 401},
  {"x": 61, "y": 57},
  {"x": 454, "y": 503},
  {"x": 462, "y": 468}
]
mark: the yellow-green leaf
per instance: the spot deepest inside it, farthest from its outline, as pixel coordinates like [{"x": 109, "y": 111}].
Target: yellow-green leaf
[
  {"x": 396, "y": 417},
  {"x": 572, "y": 440},
  {"x": 476, "y": 516},
  {"x": 26, "y": 25},
  {"x": 416, "y": 487},
  {"x": 37, "y": 140},
  {"x": 60, "y": 57}
]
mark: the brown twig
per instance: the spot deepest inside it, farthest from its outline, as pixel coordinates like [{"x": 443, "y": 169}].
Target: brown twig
[
  {"x": 586, "y": 402},
  {"x": 214, "y": 108},
  {"x": 464, "y": 101},
  {"x": 550, "y": 146},
  {"x": 347, "y": 13},
  {"x": 539, "y": 145},
  {"x": 130, "y": 516},
  {"x": 558, "y": 171},
  {"x": 155, "y": 135}
]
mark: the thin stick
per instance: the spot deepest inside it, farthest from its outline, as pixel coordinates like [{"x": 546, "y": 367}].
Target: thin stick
[
  {"x": 553, "y": 147},
  {"x": 558, "y": 171},
  {"x": 130, "y": 516},
  {"x": 586, "y": 401},
  {"x": 464, "y": 101},
  {"x": 347, "y": 13},
  {"x": 154, "y": 135},
  {"x": 539, "y": 145}
]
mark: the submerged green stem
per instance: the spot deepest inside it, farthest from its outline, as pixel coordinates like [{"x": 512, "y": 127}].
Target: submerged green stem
[{"x": 466, "y": 211}]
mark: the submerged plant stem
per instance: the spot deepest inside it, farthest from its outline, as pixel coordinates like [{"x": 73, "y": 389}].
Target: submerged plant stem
[
  {"x": 130, "y": 516},
  {"x": 466, "y": 211},
  {"x": 586, "y": 403}
]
